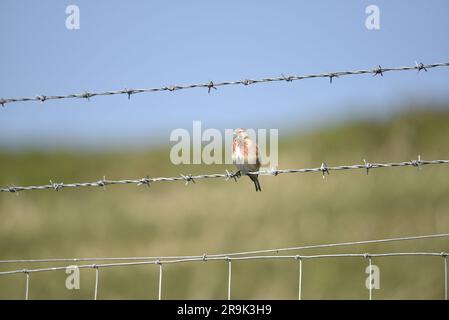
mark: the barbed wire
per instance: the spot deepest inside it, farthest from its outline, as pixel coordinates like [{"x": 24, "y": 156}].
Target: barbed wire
[
  {"x": 324, "y": 169},
  {"x": 214, "y": 85}
]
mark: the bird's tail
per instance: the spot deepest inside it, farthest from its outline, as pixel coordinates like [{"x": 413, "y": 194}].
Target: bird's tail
[{"x": 255, "y": 179}]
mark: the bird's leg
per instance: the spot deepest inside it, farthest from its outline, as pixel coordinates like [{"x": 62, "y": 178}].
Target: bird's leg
[{"x": 255, "y": 179}]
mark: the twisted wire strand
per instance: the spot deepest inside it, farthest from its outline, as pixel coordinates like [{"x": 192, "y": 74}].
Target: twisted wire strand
[
  {"x": 246, "y": 256},
  {"x": 233, "y": 254},
  {"x": 213, "y": 85},
  {"x": 229, "y": 259},
  {"x": 324, "y": 169}
]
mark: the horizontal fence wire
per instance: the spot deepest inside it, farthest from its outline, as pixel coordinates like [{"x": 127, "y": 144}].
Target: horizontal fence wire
[
  {"x": 267, "y": 254},
  {"x": 229, "y": 260},
  {"x": 238, "y": 256},
  {"x": 214, "y": 85},
  {"x": 324, "y": 169},
  {"x": 233, "y": 254}
]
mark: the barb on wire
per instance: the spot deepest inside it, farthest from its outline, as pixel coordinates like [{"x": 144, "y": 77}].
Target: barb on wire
[
  {"x": 420, "y": 66},
  {"x": 214, "y": 85},
  {"x": 323, "y": 169},
  {"x": 379, "y": 71},
  {"x": 367, "y": 166},
  {"x": 210, "y": 86},
  {"x": 332, "y": 76},
  {"x": 144, "y": 182}
]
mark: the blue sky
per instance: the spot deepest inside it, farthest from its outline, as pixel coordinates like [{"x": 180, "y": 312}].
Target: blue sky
[{"x": 155, "y": 43}]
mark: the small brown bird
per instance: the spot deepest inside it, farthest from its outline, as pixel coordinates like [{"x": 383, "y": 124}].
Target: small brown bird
[{"x": 245, "y": 155}]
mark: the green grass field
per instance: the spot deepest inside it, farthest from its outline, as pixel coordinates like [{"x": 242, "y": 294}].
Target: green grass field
[{"x": 215, "y": 216}]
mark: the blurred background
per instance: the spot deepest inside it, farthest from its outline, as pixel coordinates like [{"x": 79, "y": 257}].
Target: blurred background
[{"x": 143, "y": 44}]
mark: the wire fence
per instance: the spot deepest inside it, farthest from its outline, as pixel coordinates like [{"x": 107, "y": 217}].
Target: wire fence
[
  {"x": 214, "y": 85},
  {"x": 324, "y": 169},
  {"x": 229, "y": 258}
]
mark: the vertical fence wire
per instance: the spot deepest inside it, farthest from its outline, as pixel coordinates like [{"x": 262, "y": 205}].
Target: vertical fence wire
[
  {"x": 27, "y": 284},
  {"x": 370, "y": 278},
  {"x": 299, "y": 277},
  {"x": 160, "y": 281},
  {"x": 96, "y": 283},
  {"x": 227, "y": 258},
  {"x": 229, "y": 277},
  {"x": 445, "y": 276}
]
